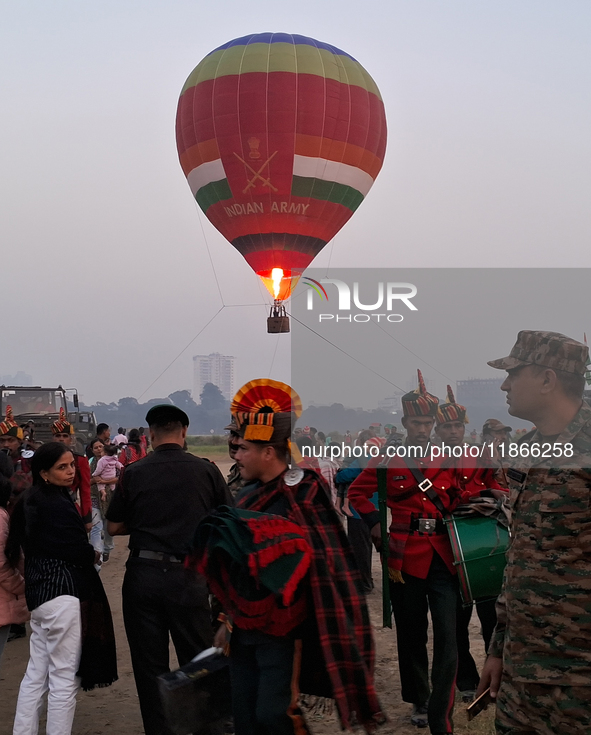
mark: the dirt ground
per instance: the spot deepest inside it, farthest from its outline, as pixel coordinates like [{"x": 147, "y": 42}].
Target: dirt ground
[{"x": 115, "y": 710}]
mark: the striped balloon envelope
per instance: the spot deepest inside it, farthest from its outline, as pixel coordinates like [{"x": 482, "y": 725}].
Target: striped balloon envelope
[{"x": 280, "y": 138}]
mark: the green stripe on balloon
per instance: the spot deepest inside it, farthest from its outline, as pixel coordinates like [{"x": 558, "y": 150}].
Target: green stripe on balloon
[
  {"x": 213, "y": 193},
  {"x": 327, "y": 191}
]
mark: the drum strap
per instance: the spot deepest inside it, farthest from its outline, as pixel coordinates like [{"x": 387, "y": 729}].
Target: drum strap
[{"x": 424, "y": 484}]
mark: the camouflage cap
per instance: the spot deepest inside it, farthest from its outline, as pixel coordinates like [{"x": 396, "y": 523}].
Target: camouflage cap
[
  {"x": 494, "y": 425},
  {"x": 232, "y": 427},
  {"x": 547, "y": 349}
]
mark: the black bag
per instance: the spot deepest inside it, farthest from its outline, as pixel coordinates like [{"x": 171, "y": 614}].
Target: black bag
[{"x": 198, "y": 694}]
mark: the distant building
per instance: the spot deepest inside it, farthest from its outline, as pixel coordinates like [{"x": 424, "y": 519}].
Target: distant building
[
  {"x": 391, "y": 403},
  {"x": 485, "y": 400},
  {"x": 21, "y": 378},
  {"x": 215, "y": 368},
  {"x": 480, "y": 392}
]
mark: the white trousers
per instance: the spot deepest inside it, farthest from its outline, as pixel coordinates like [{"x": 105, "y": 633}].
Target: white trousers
[{"x": 55, "y": 647}]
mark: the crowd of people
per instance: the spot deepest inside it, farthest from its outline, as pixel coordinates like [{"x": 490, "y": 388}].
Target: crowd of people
[
  {"x": 544, "y": 386},
  {"x": 53, "y": 541},
  {"x": 274, "y": 562}
]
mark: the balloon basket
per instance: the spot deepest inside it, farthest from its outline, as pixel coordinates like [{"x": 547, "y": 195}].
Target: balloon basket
[{"x": 277, "y": 321}]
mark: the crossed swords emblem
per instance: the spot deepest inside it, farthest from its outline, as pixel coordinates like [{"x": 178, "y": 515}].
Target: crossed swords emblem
[{"x": 258, "y": 174}]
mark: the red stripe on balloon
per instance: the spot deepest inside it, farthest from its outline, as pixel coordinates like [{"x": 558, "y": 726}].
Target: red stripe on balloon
[
  {"x": 325, "y": 108},
  {"x": 256, "y": 141}
]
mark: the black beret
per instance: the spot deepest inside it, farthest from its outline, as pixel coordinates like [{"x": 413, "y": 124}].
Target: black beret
[{"x": 165, "y": 413}]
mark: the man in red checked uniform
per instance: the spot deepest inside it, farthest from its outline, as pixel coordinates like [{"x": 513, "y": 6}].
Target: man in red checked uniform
[
  {"x": 63, "y": 432},
  {"x": 325, "y": 625},
  {"x": 421, "y": 564},
  {"x": 477, "y": 478}
]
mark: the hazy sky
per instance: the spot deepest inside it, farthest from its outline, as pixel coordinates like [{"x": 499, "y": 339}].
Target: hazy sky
[
  {"x": 106, "y": 274},
  {"x": 463, "y": 319}
]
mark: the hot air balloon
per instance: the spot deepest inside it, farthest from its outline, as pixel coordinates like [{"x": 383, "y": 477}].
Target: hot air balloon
[{"x": 280, "y": 138}]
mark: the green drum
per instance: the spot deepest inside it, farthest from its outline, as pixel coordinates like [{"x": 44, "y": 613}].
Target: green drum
[{"x": 479, "y": 544}]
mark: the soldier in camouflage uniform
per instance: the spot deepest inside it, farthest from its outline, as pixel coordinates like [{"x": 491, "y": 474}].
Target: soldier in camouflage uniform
[
  {"x": 234, "y": 479},
  {"x": 542, "y": 643}
]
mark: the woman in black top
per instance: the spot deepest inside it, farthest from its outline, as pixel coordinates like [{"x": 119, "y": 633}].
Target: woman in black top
[{"x": 60, "y": 583}]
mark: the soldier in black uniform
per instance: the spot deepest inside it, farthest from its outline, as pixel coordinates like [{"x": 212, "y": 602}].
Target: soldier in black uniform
[{"x": 159, "y": 501}]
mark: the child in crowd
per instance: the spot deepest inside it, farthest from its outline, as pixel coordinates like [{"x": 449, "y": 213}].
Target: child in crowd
[{"x": 107, "y": 468}]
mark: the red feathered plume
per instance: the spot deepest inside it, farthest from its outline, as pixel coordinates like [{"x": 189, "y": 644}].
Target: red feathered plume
[
  {"x": 62, "y": 425},
  {"x": 422, "y": 389},
  {"x": 266, "y": 393}
]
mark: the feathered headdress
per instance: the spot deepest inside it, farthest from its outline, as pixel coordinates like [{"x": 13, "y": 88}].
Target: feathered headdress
[
  {"x": 450, "y": 410},
  {"x": 263, "y": 410},
  {"x": 62, "y": 425},
  {"x": 9, "y": 427},
  {"x": 419, "y": 402}
]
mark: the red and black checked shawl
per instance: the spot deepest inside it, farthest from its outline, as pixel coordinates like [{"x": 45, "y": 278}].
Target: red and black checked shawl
[
  {"x": 338, "y": 603},
  {"x": 255, "y": 564}
]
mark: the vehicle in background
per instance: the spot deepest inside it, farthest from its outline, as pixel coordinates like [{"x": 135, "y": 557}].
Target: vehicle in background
[{"x": 39, "y": 407}]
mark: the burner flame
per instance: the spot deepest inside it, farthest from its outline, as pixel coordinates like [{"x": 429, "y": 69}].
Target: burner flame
[{"x": 276, "y": 276}]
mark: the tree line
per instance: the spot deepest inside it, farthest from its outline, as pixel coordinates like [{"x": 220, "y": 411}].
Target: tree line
[{"x": 213, "y": 411}]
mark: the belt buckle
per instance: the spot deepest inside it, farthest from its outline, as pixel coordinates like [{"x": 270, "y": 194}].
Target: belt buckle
[
  {"x": 425, "y": 485},
  {"x": 426, "y": 525}
]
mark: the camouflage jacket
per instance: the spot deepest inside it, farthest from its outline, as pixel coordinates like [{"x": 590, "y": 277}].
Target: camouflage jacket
[
  {"x": 234, "y": 480},
  {"x": 544, "y": 612}
]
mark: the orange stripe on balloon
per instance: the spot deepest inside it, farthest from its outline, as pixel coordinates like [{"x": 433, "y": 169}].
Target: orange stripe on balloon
[
  {"x": 336, "y": 150},
  {"x": 198, "y": 154}
]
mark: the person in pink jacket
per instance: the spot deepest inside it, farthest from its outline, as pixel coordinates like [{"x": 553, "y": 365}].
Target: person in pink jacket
[{"x": 13, "y": 608}]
